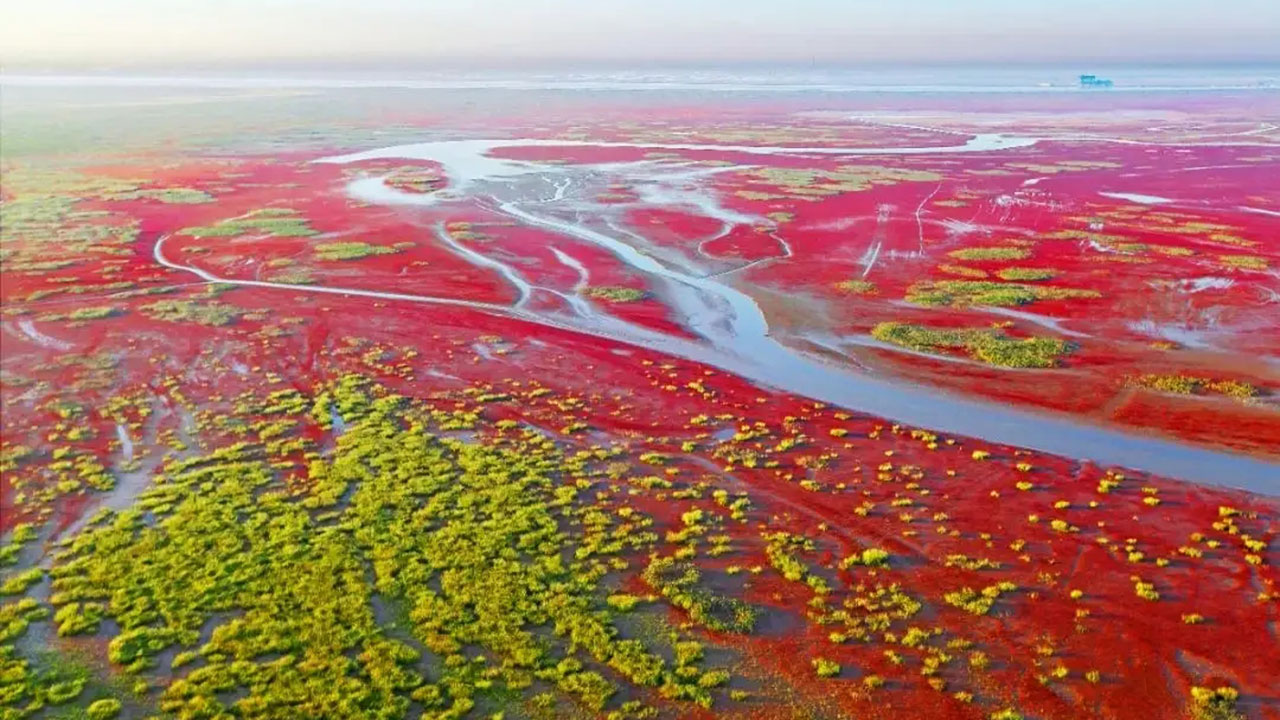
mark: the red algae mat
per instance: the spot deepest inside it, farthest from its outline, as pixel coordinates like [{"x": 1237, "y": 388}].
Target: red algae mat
[{"x": 686, "y": 296}]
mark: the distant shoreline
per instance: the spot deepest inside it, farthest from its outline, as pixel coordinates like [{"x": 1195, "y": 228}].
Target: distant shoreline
[{"x": 285, "y": 82}]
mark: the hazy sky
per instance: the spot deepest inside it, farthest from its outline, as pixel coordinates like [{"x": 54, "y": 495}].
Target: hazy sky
[{"x": 115, "y": 32}]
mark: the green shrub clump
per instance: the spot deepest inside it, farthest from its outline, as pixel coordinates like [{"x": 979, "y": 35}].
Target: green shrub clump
[
  {"x": 985, "y": 292},
  {"x": 209, "y": 312},
  {"x": 616, "y": 293},
  {"x": 678, "y": 582},
  {"x": 978, "y": 602},
  {"x": 1194, "y": 385},
  {"x": 266, "y": 588},
  {"x": 1025, "y": 273},
  {"x": 274, "y": 222},
  {"x": 988, "y": 346},
  {"x": 856, "y": 287},
  {"x": 104, "y": 709},
  {"x": 991, "y": 253},
  {"x": 169, "y": 196},
  {"x": 350, "y": 250},
  {"x": 870, "y": 557},
  {"x": 826, "y": 668},
  {"x": 1215, "y": 703}
]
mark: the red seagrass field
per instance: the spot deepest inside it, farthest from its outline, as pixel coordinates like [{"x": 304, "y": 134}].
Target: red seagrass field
[{"x": 530, "y": 404}]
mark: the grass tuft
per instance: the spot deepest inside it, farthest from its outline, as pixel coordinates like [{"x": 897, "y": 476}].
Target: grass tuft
[
  {"x": 276, "y": 222},
  {"x": 857, "y": 287},
  {"x": 991, "y": 253},
  {"x": 989, "y": 346},
  {"x": 616, "y": 293},
  {"x": 1025, "y": 273},
  {"x": 351, "y": 250},
  {"x": 980, "y": 292}
]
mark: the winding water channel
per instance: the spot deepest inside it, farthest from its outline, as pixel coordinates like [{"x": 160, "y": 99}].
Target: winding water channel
[{"x": 733, "y": 332}]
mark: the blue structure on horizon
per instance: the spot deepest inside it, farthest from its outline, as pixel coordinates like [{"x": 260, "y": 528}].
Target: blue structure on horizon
[{"x": 1093, "y": 81}]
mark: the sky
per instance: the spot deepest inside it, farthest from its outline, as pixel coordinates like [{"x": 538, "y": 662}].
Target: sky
[{"x": 116, "y": 33}]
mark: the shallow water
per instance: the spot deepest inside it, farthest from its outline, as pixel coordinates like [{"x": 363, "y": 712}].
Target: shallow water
[{"x": 1138, "y": 198}]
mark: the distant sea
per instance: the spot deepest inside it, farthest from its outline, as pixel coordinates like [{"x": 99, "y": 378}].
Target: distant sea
[{"x": 749, "y": 79}]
